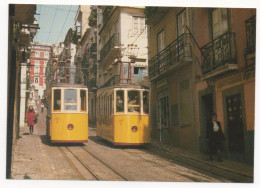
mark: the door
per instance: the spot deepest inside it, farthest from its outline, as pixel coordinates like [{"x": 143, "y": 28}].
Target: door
[
  {"x": 235, "y": 124},
  {"x": 207, "y": 109}
]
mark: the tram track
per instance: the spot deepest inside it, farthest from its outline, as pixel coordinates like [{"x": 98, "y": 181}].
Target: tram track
[
  {"x": 215, "y": 170},
  {"x": 86, "y": 167}
]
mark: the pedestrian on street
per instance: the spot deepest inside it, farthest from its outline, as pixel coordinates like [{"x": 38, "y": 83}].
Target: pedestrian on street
[
  {"x": 215, "y": 137},
  {"x": 42, "y": 107},
  {"x": 30, "y": 115}
]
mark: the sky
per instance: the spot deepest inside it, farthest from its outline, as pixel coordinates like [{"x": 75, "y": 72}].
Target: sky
[{"x": 54, "y": 22}]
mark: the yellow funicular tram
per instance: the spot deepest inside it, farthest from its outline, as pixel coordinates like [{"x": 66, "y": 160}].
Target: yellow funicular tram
[
  {"x": 123, "y": 114},
  {"x": 67, "y": 105},
  {"x": 68, "y": 113}
]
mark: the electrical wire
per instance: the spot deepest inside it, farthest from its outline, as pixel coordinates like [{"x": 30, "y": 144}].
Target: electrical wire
[
  {"x": 52, "y": 23},
  {"x": 64, "y": 23}
]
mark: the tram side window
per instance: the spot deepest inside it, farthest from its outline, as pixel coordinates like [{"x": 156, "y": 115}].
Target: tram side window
[
  {"x": 83, "y": 103},
  {"x": 70, "y": 99},
  {"x": 120, "y": 101},
  {"x": 133, "y": 101},
  {"x": 56, "y": 99},
  {"x": 146, "y": 102}
]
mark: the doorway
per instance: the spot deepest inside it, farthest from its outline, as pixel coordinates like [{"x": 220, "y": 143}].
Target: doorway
[
  {"x": 235, "y": 124},
  {"x": 207, "y": 108}
]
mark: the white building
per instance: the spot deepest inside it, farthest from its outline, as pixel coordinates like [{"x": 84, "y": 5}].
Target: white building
[{"x": 121, "y": 33}]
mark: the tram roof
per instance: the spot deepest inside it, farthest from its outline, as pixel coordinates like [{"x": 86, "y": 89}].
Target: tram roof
[
  {"x": 68, "y": 85},
  {"x": 126, "y": 86}
]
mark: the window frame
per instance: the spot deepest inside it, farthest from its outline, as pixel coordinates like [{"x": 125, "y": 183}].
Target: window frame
[
  {"x": 53, "y": 91},
  {"x": 137, "y": 106},
  {"x": 163, "y": 40},
  {"x": 86, "y": 98},
  {"x": 72, "y": 104},
  {"x": 115, "y": 107}
]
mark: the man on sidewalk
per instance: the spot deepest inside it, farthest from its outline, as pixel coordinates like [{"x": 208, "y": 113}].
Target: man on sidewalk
[
  {"x": 215, "y": 137},
  {"x": 42, "y": 107}
]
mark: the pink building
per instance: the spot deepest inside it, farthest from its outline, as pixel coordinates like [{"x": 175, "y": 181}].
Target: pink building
[{"x": 39, "y": 58}]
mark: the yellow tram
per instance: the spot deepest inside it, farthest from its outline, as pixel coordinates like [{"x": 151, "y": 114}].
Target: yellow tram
[
  {"x": 67, "y": 113},
  {"x": 123, "y": 115}
]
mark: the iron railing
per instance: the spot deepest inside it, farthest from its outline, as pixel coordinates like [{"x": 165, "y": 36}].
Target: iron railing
[
  {"x": 106, "y": 13},
  {"x": 220, "y": 51},
  {"x": 109, "y": 46},
  {"x": 175, "y": 52},
  {"x": 250, "y": 34},
  {"x": 93, "y": 49}
]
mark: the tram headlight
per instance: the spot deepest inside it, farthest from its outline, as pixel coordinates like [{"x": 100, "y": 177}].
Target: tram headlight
[
  {"x": 70, "y": 126},
  {"x": 134, "y": 128}
]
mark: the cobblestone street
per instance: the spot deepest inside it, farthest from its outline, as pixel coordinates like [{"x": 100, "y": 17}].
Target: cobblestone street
[{"x": 34, "y": 158}]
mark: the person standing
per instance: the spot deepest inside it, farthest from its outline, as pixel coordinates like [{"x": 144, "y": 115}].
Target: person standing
[
  {"x": 215, "y": 137},
  {"x": 42, "y": 107},
  {"x": 30, "y": 118}
]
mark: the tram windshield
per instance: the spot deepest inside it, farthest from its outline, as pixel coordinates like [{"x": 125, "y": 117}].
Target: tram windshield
[
  {"x": 120, "y": 101},
  {"x": 134, "y": 101},
  {"x": 70, "y": 99}
]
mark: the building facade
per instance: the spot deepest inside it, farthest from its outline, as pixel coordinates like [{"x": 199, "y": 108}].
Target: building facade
[
  {"x": 202, "y": 60},
  {"x": 38, "y": 61},
  {"x": 121, "y": 35},
  {"x": 21, "y": 30}
]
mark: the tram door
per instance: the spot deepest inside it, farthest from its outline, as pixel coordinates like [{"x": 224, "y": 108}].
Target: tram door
[{"x": 235, "y": 124}]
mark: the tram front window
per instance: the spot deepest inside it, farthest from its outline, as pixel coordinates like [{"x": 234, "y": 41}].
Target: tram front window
[
  {"x": 146, "y": 102},
  {"x": 120, "y": 101},
  {"x": 133, "y": 101},
  {"x": 70, "y": 99},
  {"x": 83, "y": 103},
  {"x": 56, "y": 99}
]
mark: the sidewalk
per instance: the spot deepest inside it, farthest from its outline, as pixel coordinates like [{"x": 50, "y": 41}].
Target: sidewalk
[
  {"x": 239, "y": 172},
  {"x": 30, "y": 157}
]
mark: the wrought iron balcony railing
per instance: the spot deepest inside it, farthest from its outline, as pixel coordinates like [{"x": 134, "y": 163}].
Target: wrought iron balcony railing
[
  {"x": 109, "y": 46},
  {"x": 93, "y": 49},
  {"x": 106, "y": 13},
  {"x": 220, "y": 51},
  {"x": 250, "y": 34},
  {"x": 170, "y": 56}
]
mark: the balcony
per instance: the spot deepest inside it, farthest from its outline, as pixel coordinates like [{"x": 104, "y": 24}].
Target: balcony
[
  {"x": 93, "y": 50},
  {"x": 219, "y": 56},
  {"x": 109, "y": 46},
  {"x": 106, "y": 13},
  {"x": 172, "y": 57},
  {"x": 250, "y": 34}
]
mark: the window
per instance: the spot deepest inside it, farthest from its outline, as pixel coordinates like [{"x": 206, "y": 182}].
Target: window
[
  {"x": 219, "y": 22},
  {"x": 182, "y": 22},
  {"x": 70, "y": 99},
  {"x": 83, "y": 100},
  {"x": 137, "y": 69},
  {"x": 46, "y": 54},
  {"x": 120, "y": 101},
  {"x": 163, "y": 112},
  {"x": 36, "y": 80},
  {"x": 133, "y": 101},
  {"x": 160, "y": 41},
  {"x": 138, "y": 25},
  {"x": 37, "y": 54},
  {"x": 145, "y": 102},
  {"x": 36, "y": 69},
  {"x": 111, "y": 104},
  {"x": 56, "y": 99}
]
